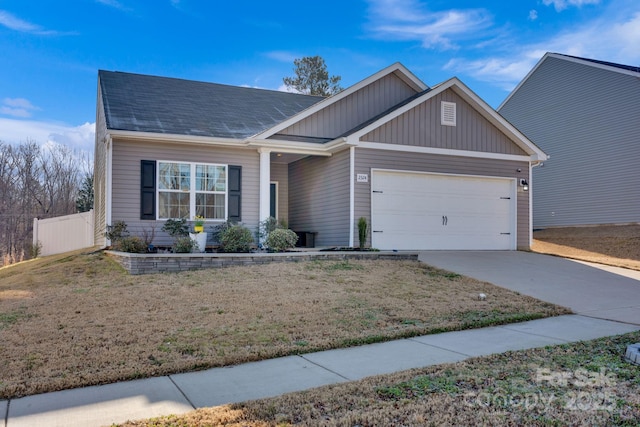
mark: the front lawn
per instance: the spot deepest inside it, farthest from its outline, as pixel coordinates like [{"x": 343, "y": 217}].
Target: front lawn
[{"x": 78, "y": 319}]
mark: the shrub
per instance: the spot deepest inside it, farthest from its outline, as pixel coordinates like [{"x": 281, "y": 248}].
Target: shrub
[
  {"x": 266, "y": 227},
  {"x": 35, "y": 249},
  {"x": 362, "y": 231},
  {"x": 281, "y": 239},
  {"x": 133, "y": 244},
  {"x": 176, "y": 227},
  {"x": 183, "y": 245},
  {"x": 117, "y": 231},
  {"x": 234, "y": 238}
]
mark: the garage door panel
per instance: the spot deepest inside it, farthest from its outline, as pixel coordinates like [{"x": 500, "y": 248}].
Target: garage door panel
[{"x": 425, "y": 211}]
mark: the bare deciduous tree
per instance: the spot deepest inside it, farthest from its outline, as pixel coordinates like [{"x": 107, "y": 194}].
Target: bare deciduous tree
[{"x": 38, "y": 182}]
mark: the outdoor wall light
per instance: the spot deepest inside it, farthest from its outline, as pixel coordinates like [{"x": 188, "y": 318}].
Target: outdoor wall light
[{"x": 524, "y": 184}]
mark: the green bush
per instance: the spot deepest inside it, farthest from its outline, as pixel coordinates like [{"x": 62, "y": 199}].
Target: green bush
[
  {"x": 183, "y": 245},
  {"x": 235, "y": 238},
  {"x": 117, "y": 231},
  {"x": 281, "y": 239},
  {"x": 362, "y": 231},
  {"x": 133, "y": 244},
  {"x": 176, "y": 227}
]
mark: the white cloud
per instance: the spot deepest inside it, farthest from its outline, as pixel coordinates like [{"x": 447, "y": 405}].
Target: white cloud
[
  {"x": 282, "y": 56},
  {"x": 409, "y": 20},
  {"x": 17, "y": 24},
  {"x": 561, "y": 5},
  {"x": 608, "y": 38},
  {"x": 16, "y": 131},
  {"x": 533, "y": 15},
  {"x": 17, "y": 107},
  {"x": 14, "y": 23},
  {"x": 117, "y": 5}
]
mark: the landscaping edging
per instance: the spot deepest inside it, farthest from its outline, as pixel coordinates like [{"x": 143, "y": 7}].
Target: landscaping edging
[{"x": 162, "y": 263}]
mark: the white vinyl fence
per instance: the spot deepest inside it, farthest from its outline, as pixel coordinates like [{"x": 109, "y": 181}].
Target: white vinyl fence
[{"x": 63, "y": 233}]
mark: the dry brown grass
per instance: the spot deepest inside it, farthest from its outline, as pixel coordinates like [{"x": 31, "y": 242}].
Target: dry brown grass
[
  {"x": 617, "y": 245},
  {"x": 79, "y": 319},
  {"x": 503, "y": 390}
]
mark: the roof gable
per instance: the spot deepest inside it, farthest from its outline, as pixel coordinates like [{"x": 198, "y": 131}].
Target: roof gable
[
  {"x": 143, "y": 103},
  {"x": 604, "y": 65},
  {"x": 352, "y": 106},
  {"x": 458, "y": 91}
]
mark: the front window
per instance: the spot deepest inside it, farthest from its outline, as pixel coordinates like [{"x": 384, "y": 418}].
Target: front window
[{"x": 186, "y": 190}]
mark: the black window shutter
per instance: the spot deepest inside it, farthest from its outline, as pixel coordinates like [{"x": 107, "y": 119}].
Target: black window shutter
[
  {"x": 235, "y": 187},
  {"x": 147, "y": 189}
]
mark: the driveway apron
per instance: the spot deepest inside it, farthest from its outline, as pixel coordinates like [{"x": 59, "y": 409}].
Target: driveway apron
[{"x": 585, "y": 288}]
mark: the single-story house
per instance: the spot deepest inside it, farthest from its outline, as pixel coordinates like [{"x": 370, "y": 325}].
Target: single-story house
[
  {"x": 428, "y": 167},
  {"x": 585, "y": 114}
]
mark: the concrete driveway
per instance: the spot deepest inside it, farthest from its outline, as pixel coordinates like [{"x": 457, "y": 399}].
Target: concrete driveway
[{"x": 588, "y": 289}]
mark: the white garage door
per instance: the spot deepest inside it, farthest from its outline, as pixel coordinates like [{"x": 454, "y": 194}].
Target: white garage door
[{"x": 414, "y": 211}]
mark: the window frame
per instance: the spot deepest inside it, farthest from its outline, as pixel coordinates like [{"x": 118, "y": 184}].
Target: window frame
[{"x": 192, "y": 189}]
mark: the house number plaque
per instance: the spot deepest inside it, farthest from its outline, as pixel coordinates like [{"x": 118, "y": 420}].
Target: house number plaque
[{"x": 362, "y": 177}]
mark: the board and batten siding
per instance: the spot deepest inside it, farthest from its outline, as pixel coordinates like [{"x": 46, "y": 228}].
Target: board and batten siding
[
  {"x": 280, "y": 174},
  {"x": 126, "y": 180},
  {"x": 588, "y": 120},
  {"x": 367, "y": 159},
  {"x": 100, "y": 176},
  {"x": 354, "y": 109},
  {"x": 319, "y": 198},
  {"x": 420, "y": 126}
]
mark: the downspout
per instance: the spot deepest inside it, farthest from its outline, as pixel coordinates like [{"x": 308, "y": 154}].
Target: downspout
[
  {"x": 109, "y": 180},
  {"x": 531, "y": 166},
  {"x": 352, "y": 173}
]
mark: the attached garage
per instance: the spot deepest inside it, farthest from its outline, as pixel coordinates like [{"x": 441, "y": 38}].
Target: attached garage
[{"x": 425, "y": 211}]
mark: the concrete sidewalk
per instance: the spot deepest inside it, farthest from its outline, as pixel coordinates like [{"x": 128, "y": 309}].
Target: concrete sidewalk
[
  {"x": 176, "y": 394},
  {"x": 608, "y": 303}
]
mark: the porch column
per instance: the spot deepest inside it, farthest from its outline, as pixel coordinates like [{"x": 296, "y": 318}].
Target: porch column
[{"x": 265, "y": 181}]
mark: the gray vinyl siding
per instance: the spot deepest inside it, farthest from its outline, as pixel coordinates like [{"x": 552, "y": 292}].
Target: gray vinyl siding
[
  {"x": 319, "y": 198},
  {"x": 126, "y": 180},
  {"x": 354, "y": 109},
  {"x": 421, "y": 127},
  {"x": 100, "y": 176},
  {"x": 368, "y": 159},
  {"x": 588, "y": 120},
  {"x": 280, "y": 174}
]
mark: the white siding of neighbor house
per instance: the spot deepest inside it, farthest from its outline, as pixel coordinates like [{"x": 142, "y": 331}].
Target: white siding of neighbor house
[
  {"x": 126, "y": 180},
  {"x": 421, "y": 127},
  {"x": 588, "y": 120},
  {"x": 354, "y": 109},
  {"x": 319, "y": 198},
  {"x": 368, "y": 159}
]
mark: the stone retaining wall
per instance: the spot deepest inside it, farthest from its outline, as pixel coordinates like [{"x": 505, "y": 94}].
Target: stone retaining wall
[{"x": 161, "y": 263}]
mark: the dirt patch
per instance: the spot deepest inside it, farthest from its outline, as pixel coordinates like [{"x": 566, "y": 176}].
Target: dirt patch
[
  {"x": 77, "y": 320},
  {"x": 617, "y": 245}
]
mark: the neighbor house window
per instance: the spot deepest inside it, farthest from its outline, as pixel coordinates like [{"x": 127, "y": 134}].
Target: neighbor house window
[{"x": 186, "y": 190}]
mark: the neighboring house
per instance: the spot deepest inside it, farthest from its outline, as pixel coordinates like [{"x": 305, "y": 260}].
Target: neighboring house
[
  {"x": 429, "y": 168},
  {"x": 586, "y": 115}
]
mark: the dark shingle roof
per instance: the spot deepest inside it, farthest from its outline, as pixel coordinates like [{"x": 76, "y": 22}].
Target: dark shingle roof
[
  {"x": 610, "y": 64},
  {"x": 143, "y": 103}
]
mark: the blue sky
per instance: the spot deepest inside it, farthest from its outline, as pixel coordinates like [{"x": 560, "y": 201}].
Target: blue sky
[{"x": 51, "y": 50}]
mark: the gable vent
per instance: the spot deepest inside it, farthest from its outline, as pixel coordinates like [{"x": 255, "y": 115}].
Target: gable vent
[{"x": 448, "y": 113}]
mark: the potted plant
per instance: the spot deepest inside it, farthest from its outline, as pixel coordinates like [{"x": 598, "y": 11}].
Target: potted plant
[
  {"x": 199, "y": 236},
  {"x": 198, "y": 224}
]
